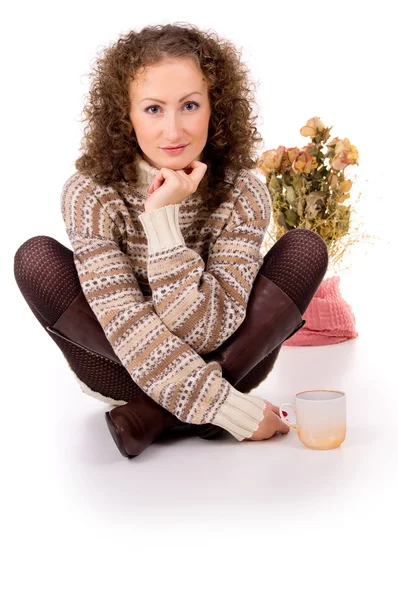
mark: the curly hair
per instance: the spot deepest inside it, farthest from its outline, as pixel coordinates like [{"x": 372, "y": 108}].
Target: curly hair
[{"x": 109, "y": 145}]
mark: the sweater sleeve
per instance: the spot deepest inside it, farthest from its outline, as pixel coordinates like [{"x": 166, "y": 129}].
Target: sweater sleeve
[
  {"x": 160, "y": 363},
  {"x": 205, "y": 304}
]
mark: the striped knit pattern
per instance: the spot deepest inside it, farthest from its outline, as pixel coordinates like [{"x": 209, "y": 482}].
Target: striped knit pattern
[{"x": 169, "y": 284}]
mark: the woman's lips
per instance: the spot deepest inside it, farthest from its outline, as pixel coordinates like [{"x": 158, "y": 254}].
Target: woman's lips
[{"x": 174, "y": 150}]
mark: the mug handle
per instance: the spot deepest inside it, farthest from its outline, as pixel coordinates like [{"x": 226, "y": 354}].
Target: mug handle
[{"x": 295, "y": 427}]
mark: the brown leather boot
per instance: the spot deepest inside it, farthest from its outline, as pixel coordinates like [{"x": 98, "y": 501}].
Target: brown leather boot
[
  {"x": 271, "y": 318},
  {"x": 135, "y": 425}
]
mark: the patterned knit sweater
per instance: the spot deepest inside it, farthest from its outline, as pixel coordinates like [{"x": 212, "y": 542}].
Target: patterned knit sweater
[{"x": 171, "y": 284}]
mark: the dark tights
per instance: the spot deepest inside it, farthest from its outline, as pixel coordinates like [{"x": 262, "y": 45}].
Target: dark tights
[{"x": 46, "y": 275}]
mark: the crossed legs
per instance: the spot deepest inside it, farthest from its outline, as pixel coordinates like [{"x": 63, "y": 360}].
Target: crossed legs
[{"x": 47, "y": 278}]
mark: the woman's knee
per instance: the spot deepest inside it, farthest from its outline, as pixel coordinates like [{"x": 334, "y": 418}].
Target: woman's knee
[
  {"x": 33, "y": 258},
  {"x": 311, "y": 242}
]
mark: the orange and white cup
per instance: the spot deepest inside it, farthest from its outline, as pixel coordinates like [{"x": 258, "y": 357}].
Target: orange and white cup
[{"x": 320, "y": 418}]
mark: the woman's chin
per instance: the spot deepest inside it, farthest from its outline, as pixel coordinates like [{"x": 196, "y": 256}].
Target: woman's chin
[{"x": 176, "y": 162}]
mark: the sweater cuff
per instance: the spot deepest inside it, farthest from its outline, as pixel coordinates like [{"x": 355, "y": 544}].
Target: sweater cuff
[
  {"x": 241, "y": 415},
  {"x": 162, "y": 227}
]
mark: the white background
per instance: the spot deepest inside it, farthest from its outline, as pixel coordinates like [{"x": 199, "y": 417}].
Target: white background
[{"x": 190, "y": 518}]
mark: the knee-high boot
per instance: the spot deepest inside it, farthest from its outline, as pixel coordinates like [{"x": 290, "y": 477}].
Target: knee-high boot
[{"x": 271, "y": 318}]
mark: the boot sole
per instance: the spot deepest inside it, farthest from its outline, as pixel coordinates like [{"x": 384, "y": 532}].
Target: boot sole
[
  {"x": 209, "y": 432},
  {"x": 116, "y": 436}
]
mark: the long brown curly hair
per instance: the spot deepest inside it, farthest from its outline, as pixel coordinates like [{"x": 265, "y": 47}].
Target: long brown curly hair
[{"x": 109, "y": 145}]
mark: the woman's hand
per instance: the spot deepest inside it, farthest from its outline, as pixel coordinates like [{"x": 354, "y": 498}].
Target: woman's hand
[
  {"x": 172, "y": 187},
  {"x": 271, "y": 424}
]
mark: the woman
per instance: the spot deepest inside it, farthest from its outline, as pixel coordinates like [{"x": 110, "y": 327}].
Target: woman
[{"x": 151, "y": 309}]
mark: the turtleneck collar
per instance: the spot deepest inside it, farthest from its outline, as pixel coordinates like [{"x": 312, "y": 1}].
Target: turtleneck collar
[{"x": 146, "y": 172}]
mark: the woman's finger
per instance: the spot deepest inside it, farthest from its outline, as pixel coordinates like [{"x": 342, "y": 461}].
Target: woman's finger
[
  {"x": 156, "y": 183},
  {"x": 273, "y": 407},
  {"x": 277, "y": 424},
  {"x": 283, "y": 428},
  {"x": 197, "y": 170}
]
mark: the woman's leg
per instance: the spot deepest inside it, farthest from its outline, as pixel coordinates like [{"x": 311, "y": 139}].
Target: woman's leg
[
  {"x": 46, "y": 275},
  {"x": 297, "y": 263}
]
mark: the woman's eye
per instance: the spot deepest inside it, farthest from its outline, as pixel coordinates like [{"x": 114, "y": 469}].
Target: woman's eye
[{"x": 156, "y": 106}]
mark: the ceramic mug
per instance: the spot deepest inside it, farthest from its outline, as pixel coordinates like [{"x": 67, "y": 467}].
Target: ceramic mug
[{"x": 320, "y": 418}]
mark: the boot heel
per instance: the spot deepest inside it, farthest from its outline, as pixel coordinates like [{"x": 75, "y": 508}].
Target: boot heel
[{"x": 116, "y": 436}]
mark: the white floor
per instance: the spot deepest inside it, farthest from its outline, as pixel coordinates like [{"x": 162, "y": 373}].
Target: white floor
[{"x": 199, "y": 506}]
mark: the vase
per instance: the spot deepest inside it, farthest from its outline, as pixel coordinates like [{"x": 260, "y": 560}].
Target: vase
[{"x": 329, "y": 318}]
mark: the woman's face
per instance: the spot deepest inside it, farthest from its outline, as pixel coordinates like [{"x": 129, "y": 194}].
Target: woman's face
[{"x": 179, "y": 115}]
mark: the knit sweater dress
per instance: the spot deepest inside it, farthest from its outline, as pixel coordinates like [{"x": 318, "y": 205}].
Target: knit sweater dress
[{"x": 171, "y": 284}]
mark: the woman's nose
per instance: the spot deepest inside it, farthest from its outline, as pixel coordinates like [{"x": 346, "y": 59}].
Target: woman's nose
[{"x": 172, "y": 128}]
